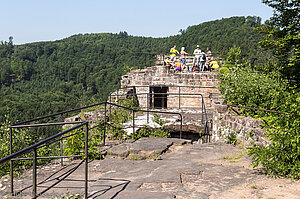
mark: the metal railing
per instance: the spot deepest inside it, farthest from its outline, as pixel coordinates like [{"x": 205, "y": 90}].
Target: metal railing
[
  {"x": 166, "y": 96},
  {"x": 257, "y": 109},
  {"x": 264, "y": 110},
  {"x": 205, "y": 121},
  {"x": 59, "y": 137},
  {"x": 138, "y": 110},
  {"x": 150, "y": 57},
  {"x": 33, "y": 148}
]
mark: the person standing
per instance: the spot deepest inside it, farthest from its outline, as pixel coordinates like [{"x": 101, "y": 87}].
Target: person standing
[
  {"x": 182, "y": 58},
  {"x": 197, "y": 53},
  {"x": 173, "y": 52},
  {"x": 208, "y": 58},
  {"x": 208, "y": 52},
  {"x": 202, "y": 60}
]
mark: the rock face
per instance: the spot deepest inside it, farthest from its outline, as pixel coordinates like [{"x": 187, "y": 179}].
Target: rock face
[
  {"x": 191, "y": 171},
  {"x": 246, "y": 129},
  {"x": 243, "y": 129},
  {"x": 144, "y": 148}
]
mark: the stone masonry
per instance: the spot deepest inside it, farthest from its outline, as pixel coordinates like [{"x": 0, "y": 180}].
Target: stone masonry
[
  {"x": 245, "y": 129},
  {"x": 203, "y": 83},
  {"x": 142, "y": 81}
]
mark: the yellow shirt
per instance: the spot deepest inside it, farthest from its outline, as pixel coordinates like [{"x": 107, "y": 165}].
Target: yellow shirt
[
  {"x": 214, "y": 64},
  {"x": 173, "y": 51}
]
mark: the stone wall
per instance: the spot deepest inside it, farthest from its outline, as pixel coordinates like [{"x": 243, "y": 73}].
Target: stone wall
[
  {"x": 225, "y": 124},
  {"x": 206, "y": 84},
  {"x": 244, "y": 129},
  {"x": 196, "y": 83}
]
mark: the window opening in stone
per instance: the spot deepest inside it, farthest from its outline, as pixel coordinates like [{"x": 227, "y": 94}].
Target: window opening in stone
[{"x": 158, "y": 97}]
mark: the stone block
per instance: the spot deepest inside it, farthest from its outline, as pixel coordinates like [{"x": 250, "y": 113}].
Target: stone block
[
  {"x": 221, "y": 108},
  {"x": 238, "y": 126}
]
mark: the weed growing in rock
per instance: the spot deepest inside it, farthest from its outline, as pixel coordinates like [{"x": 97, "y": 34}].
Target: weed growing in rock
[{"x": 234, "y": 156}]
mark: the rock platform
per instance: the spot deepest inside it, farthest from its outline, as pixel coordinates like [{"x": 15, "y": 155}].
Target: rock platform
[{"x": 166, "y": 168}]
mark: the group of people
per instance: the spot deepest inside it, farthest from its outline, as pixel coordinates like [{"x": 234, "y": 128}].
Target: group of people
[{"x": 202, "y": 61}]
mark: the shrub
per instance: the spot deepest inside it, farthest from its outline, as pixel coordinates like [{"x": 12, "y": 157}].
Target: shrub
[
  {"x": 22, "y": 138},
  {"x": 149, "y": 132},
  {"x": 224, "y": 70},
  {"x": 268, "y": 91}
]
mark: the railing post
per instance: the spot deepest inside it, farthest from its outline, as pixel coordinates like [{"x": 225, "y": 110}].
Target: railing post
[
  {"x": 205, "y": 132},
  {"x": 133, "y": 124},
  {"x": 179, "y": 97},
  {"x": 180, "y": 127},
  {"x": 148, "y": 102},
  {"x": 202, "y": 112},
  {"x": 109, "y": 106},
  {"x": 118, "y": 96},
  {"x": 86, "y": 160},
  {"x": 104, "y": 131},
  {"x": 211, "y": 128},
  {"x": 11, "y": 163},
  {"x": 61, "y": 151},
  {"x": 34, "y": 190}
]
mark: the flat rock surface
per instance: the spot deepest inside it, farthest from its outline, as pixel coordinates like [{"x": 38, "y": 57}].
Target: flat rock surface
[
  {"x": 145, "y": 148},
  {"x": 212, "y": 170}
]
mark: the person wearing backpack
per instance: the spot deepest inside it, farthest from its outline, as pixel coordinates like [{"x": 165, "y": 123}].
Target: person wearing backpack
[{"x": 202, "y": 60}]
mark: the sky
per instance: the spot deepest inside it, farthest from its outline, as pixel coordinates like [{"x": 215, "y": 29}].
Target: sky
[{"x": 49, "y": 20}]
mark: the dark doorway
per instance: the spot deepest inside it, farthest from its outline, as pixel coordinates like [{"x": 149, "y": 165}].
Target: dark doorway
[{"x": 158, "y": 97}]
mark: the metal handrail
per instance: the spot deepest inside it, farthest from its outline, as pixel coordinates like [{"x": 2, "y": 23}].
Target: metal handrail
[
  {"x": 53, "y": 138},
  {"x": 258, "y": 109},
  {"x": 164, "y": 54},
  {"x": 36, "y": 145},
  {"x": 148, "y": 111},
  {"x": 179, "y": 94},
  {"x": 195, "y": 94},
  {"x": 167, "y": 54},
  {"x": 204, "y": 121},
  {"x": 34, "y": 148}
]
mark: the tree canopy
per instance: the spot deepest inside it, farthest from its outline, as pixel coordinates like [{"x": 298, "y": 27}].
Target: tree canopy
[
  {"x": 282, "y": 36},
  {"x": 45, "y": 77},
  {"x": 274, "y": 86}
]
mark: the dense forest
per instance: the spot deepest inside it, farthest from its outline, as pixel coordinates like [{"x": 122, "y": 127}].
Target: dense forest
[{"x": 46, "y": 77}]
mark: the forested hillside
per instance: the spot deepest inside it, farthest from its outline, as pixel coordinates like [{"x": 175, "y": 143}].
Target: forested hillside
[{"x": 46, "y": 77}]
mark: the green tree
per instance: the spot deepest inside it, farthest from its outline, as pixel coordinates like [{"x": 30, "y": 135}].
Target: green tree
[{"x": 283, "y": 38}]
